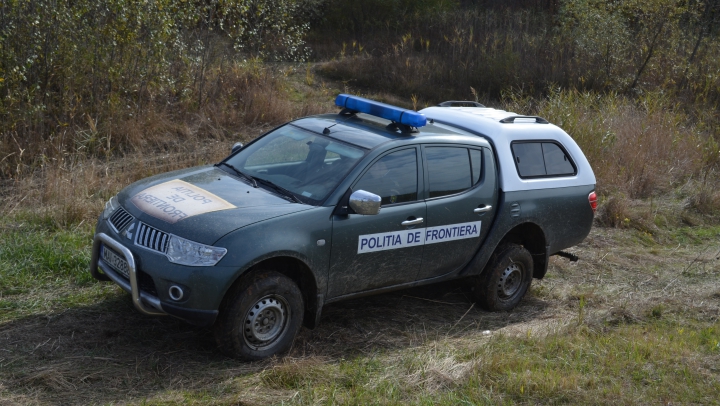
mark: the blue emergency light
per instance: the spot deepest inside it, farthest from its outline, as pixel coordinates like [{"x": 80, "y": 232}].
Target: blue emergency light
[{"x": 397, "y": 114}]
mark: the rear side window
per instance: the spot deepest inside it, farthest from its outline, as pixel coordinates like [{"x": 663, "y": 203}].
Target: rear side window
[
  {"x": 541, "y": 159},
  {"x": 452, "y": 169}
]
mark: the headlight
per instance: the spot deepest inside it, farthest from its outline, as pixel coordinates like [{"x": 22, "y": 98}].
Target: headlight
[
  {"x": 186, "y": 252},
  {"x": 110, "y": 207}
]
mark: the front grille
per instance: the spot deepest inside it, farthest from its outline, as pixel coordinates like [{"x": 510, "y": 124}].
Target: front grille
[
  {"x": 120, "y": 219},
  {"x": 151, "y": 238}
]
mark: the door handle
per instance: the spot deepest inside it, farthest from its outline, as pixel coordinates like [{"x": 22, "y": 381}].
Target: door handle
[
  {"x": 418, "y": 220},
  {"x": 483, "y": 209}
]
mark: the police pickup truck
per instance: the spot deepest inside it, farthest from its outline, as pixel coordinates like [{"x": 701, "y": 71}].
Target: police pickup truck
[{"x": 336, "y": 206}]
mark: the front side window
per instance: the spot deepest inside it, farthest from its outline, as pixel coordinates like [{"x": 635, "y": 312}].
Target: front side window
[
  {"x": 307, "y": 164},
  {"x": 393, "y": 177}
]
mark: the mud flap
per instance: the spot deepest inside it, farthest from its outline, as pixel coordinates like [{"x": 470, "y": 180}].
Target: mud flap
[
  {"x": 540, "y": 263},
  {"x": 312, "y": 314}
]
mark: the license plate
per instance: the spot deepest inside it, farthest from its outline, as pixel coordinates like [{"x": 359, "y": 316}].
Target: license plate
[{"x": 115, "y": 261}]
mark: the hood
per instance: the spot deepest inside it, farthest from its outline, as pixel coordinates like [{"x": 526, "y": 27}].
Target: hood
[{"x": 202, "y": 204}]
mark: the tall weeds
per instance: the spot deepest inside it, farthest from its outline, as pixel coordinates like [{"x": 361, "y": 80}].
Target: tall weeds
[
  {"x": 83, "y": 84},
  {"x": 66, "y": 178},
  {"x": 624, "y": 46},
  {"x": 92, "y": 76},
  {"x": 634, "y": 83},
  {"x": 442, "y": 55},
  {"x": 641, "y": 147}
]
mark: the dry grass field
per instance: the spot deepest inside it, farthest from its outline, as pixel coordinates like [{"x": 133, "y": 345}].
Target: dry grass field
[{"x": 635, "y": 320}]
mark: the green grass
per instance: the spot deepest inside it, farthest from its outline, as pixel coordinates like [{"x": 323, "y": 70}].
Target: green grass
[
  {"x": 44, "y": 254},
  {"x": 694, "y": 235},
  {"x": 656, "y": 362},
  {"x": 43, "y": 270},
  {"x": 632, "y": 363}
]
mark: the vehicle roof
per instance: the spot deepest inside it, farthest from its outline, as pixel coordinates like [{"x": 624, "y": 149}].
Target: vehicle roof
[
  {"x": 486, "y": 122},
  {"x": 368, "y": 131}
]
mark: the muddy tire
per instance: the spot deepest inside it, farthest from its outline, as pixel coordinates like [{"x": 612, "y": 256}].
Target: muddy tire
[
  {"x": 505, "y": 280},
  {"x": 260, "y": 317}
]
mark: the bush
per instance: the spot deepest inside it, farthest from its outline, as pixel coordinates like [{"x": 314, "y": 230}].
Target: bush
[
  {"x": 614, "y": 212},
  {"x": 705, "y": 199},
  {"x": 439, "y": 52},
  {"x": 641, "y": 148},
  {"x": 70, "y": 71}
]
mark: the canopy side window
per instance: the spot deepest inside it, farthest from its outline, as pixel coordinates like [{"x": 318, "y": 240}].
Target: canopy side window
[{"x": 538, "y": 159}]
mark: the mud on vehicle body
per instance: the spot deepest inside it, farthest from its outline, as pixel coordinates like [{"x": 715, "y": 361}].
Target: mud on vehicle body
[{"x": 336, "y": 206}]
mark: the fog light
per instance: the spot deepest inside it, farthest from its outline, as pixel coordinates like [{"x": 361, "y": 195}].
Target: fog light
[{"x": 176, "y": 293}]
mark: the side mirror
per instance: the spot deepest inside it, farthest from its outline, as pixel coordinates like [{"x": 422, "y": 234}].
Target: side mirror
[
  {"x": 365, "y": 202},
  {"x": 236, "y": 147}
]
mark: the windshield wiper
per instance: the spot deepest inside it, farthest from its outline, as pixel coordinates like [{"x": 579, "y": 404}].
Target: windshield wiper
[
  {"x": 281, "y": 190},
  {"x": 239, "y": 172}
]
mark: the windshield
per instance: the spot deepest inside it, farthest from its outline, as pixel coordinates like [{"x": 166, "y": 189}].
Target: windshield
[{"x": 307, "y": 164}]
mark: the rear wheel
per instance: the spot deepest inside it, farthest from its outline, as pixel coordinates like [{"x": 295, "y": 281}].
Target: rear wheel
[
  {"x": 506, "y": 279},
  {"x": 261, "y": 317}
]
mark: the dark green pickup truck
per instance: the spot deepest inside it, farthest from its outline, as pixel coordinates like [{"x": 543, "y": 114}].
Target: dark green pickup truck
[{"x": 335, "y": 206}]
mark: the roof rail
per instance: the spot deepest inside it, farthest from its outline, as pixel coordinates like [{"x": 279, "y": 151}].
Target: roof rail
[
  {"x": 511, "y": 119},
  {"x": 460, "y": 103}
]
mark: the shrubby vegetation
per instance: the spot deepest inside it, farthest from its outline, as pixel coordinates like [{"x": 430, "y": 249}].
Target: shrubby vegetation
[
  {"x": 73, "y": 73},
  {"x": 637, "y": 83},
  {"x": 638, "y": 148},
  {"x": 99, "y": 80},
  {"x": 440, "y": 48},
  {"x": 668, "y": 44}
]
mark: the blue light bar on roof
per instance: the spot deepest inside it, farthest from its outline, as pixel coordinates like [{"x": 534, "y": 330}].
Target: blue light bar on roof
[{"x": 386, "y": 111}]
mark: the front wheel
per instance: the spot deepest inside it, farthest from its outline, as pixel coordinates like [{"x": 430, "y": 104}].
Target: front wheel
[
  {"x": 505, "y": 280},
  {"x": 261, "y": 317}
]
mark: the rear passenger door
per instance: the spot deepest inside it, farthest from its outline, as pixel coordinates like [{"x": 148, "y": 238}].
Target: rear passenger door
[{"x": 461, "y": 192}]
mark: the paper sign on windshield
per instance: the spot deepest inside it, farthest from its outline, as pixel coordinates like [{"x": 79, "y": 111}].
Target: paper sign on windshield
[{"x": 175, "y": 200}]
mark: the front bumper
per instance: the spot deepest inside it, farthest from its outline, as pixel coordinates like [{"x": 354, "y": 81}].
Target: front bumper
[{"x": 143, "y": 301}]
